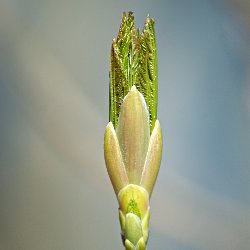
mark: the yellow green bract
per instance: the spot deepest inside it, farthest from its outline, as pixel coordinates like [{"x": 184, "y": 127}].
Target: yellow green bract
[{"x": 133, "y": 138}]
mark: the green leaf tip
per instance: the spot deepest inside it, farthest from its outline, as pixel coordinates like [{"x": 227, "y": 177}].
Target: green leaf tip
[{"x": 133, "y": 61}]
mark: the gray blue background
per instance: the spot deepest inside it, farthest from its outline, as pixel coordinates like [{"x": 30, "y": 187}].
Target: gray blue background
[{"x": 55, "y": 193}]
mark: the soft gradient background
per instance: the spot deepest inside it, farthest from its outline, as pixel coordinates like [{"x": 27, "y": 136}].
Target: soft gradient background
[{"x": 55, "y": 193}]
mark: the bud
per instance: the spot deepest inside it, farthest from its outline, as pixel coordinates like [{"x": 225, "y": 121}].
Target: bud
[{"x": 133, "y": 139}]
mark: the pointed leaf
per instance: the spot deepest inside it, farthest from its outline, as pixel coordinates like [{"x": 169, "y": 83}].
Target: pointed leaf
[
  {"x": 146, "y": 78},
  {"x": 153, "y": 159},
  {"x": 133, "y": 61},
  {"x": 113, "y": 159},
  {"x": 120, "y": 67},
  {"x": 133, "y": 134}
]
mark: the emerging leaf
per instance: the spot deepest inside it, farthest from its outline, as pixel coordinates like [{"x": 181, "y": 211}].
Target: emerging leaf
[
  {"x": 133, "y": 62},
  {"x": 146, "y": 79}
]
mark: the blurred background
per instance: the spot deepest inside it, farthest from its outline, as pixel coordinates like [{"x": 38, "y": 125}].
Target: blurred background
[{"x": 55, "y": 193}]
